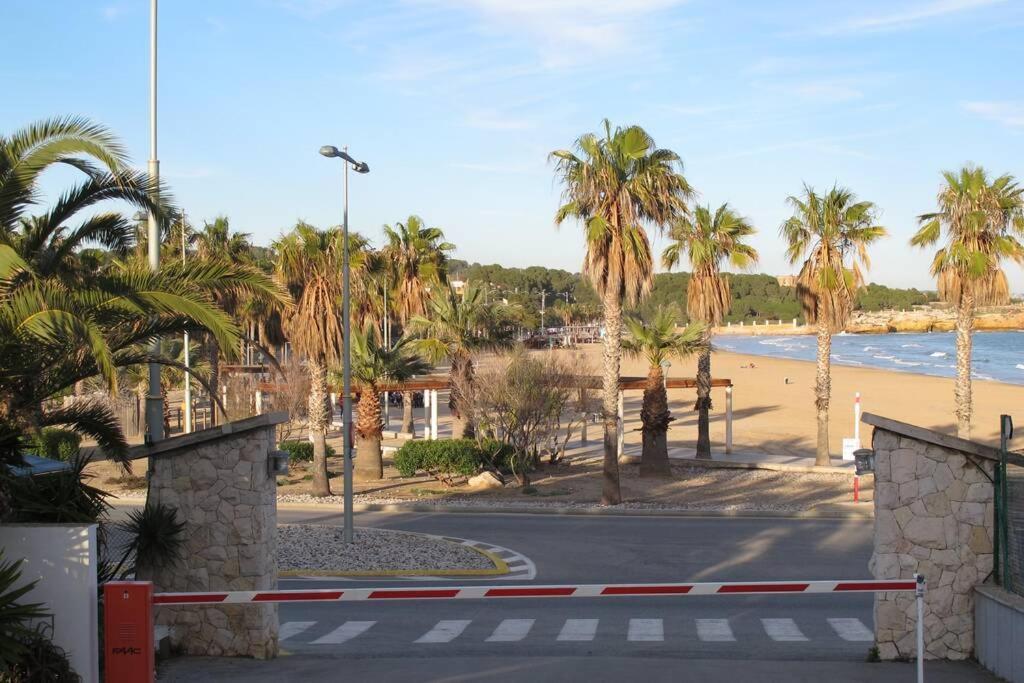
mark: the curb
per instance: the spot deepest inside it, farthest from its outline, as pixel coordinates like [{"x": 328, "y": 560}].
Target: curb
[
  {"x": 770, "y": 466},
  {"x": 839, "y": 511}
]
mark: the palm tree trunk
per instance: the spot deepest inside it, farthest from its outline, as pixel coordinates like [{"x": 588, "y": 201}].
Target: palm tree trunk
[
  {"x": 822, "y": 392},
  {"x": 962, "y": 390},
  {"x": 703, "y": 405},
  {"x": 408, "y": 415},
  {"x": 213, "y": 349},
  {"x": 655, "y": 417},
  {"x": 318, "y": 416},
  {"x": 610, "y": 492},
  {"x": 460, "y": 400},
  {"x": 370, "y": 463}
]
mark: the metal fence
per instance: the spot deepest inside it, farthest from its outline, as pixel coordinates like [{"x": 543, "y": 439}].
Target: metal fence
[{"x": 1009, "y": 556}]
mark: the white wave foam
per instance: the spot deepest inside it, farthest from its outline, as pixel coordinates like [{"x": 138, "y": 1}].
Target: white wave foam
[
  {"x": 938, "y": 354},
  {"x": 882, "y": 356},
  {"x": 910, "y": 346},
  {"x": 1020, "y": 366}
]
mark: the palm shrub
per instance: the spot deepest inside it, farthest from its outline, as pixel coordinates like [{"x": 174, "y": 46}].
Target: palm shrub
[
  {"x": 656, "y": 343},
  {"x": 832, "y": 233},
  {"x": 708, "y": 240},
  {"x": 983, "y": 221},
  {"x": 373, "y": 365},
  {"x": 615, "y": 185}
]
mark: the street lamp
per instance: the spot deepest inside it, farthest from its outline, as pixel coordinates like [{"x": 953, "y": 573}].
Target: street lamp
[
  {"x": 346, "y": 360},
  {"x": 154, "y": 399}
]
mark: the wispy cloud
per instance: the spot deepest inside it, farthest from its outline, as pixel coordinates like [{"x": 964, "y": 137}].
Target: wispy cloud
[
  {"x": 906, "y": 17},
  {"x": 489, "y": 119},
  {"x": 112, "y": 12},
  {"x": 1010, "y": 114}
]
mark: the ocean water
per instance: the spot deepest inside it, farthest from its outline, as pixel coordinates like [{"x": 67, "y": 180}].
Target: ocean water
[{"x": 997, "y": 356}]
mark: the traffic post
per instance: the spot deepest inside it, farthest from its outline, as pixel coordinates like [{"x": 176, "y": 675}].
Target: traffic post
[{"x": 128, "y": 655}]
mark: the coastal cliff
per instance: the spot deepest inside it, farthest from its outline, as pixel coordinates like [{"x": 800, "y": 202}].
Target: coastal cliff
[{"x": 930, "y": 319}]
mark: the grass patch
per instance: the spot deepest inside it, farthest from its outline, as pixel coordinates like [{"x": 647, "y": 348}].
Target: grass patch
[{"x": 127, "y": 481}]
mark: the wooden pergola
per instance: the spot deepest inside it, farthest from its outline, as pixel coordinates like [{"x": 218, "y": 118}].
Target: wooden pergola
[{"x": 431, "y": 384}]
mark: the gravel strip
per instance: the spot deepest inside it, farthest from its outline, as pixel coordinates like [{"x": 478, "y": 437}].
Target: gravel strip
[{"x": 321, "y": 548}]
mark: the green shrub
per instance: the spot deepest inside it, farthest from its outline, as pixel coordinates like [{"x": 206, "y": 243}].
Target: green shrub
[
  {"x": 58, "y": 444},
  {"x": 301, "y": 451},
  {"x": 442, "y": 460}
]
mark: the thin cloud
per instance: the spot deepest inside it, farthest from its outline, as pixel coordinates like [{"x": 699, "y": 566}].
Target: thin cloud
[
  {"x": 1009, "y": 114},
  {"x": 906, "y": 18},
  {"x": 489, "y": 119}
]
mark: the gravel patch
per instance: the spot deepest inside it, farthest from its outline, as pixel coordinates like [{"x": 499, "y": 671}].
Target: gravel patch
[{"x": 321, "y": 548}]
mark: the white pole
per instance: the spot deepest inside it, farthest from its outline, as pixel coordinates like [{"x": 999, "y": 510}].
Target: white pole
[
  {"x": 348, "y": 532},
  {"x": 433, "y": 414},
  {"x": 622, "y": 419},
  {"x": 919, "y": 597},
  {"x": 188, "y": 376},
  {"x": 387, "y": 345},
  {"x": 856, "y": 416},
  {"x": 728, "y": 419},
  {"x": 154, "y": 399}
]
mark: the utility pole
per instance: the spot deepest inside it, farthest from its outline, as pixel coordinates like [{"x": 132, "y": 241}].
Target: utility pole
[
  {"x": 188, "y": 376},
  {"x": 154, "y": 400}
]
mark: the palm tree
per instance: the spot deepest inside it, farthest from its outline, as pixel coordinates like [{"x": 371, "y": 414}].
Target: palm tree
[
  {"x": 983, "y": 220},
  {"x": 309, "y": 265},
  {"x": 216, "y": 241},
  {"x": 656, "y": 343},
  {"x": 708, "y": 240},
  {"x": 833, "y": 232},
  {"x": 374, "y": 364},
  {"x": 455, "y": 327},
  {"x": 615, "y": 185},
  {"x": 416, "y": 260}
]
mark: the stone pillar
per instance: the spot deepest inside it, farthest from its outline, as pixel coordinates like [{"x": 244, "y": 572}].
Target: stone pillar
[
  {"x": 933, "y": 516},
  {"x": 218, "y": 480}
]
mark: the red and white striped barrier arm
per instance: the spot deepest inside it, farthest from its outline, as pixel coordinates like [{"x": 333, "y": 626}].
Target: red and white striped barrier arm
[{"x": 577, "y": 591}]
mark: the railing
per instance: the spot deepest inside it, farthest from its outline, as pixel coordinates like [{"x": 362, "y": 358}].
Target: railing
[{"x": 1008, "y": 569}]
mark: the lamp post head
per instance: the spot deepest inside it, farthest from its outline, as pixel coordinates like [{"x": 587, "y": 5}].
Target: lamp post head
[
  {"x": 330, "y": 151},
  {"x": 361, "y": 167}
]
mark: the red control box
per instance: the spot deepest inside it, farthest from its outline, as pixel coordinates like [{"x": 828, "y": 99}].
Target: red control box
[{"x": 128, "y": 632}]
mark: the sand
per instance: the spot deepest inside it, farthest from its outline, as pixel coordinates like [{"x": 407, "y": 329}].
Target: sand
[{"x": 773, "y": 417}]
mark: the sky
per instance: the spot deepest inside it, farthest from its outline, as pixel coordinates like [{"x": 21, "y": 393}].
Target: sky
[{"x": 456, "y": 104}]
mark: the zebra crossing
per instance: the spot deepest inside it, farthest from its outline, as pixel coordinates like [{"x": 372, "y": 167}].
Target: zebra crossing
[{"x": 636, "y": 630}]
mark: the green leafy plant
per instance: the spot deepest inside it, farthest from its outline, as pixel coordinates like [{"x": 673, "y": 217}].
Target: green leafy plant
[
  {"x": 157, "y": 536},
  {"x": 58, "y": 444},
  {"x": 14, "y": 614},
  {"x": 301, "y": 451},
  {"x": 443, "y": 460},
  {"x": 41, "y": 661}
]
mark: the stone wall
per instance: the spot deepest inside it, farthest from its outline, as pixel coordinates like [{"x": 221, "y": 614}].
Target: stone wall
[
  {"x": 218, "y": 480},
  {"x": 933, "y": 516}
]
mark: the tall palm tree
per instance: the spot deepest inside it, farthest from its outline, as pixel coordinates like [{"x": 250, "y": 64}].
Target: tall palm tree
[
  {"x": 309, "y": 265},
  {"x": 454, "y": 328},
  {"x": 216, "y": 241},
  {"x": 832, "y": 233},
  {"x": 416, "y": 262},
  {"x": 656, "y": 343},
  {"x": 615, "y": 185},
  {"x": 983, "y": 220},
  {"x": 373, "y": 364},
  {"x": 708, "y": 240}
]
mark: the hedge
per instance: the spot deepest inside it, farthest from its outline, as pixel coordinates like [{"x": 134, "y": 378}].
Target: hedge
[
  {"x": 301, "y": 451},
  {"x": 57, "y": 444},
  {"x": 448, "y": 458}
]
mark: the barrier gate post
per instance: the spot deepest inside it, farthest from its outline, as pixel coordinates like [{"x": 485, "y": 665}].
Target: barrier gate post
[
  {"x": 128, "y": 655},
  {"x": 919, "y": 597}
]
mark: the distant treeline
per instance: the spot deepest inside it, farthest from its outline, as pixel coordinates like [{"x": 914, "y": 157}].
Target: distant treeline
[{"x": 754, "y": 297}]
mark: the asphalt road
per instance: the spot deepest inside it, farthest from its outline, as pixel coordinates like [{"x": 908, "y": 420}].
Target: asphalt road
[{"x": 810, "y": 637}]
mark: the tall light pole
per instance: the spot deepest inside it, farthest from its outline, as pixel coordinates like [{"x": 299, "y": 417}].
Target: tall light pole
[
  {"x": 154, "y": 400},
  {"x": 346, "y": 360}
]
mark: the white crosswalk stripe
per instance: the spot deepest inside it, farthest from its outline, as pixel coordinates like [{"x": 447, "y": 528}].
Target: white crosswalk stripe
[
  {"x": 293, "y": 628},
  {"x": 783, "y": 630},
  {"x": 578, "y": 630},
  {"x": 345, "y": 632},
  {"x": 851, "y": 629},
  {"x": 445, "y": 631},
  {"x": 646, "y": 630},
  {"x": 511, "y": 630},
  {"x": 715, "y": 631}
]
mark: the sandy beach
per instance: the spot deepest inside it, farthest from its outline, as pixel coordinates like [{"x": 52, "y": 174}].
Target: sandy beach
[{"x": 774, "y": 417}]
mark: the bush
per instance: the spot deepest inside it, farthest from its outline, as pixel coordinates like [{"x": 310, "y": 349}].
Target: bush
[
  {"x": 301, "y": 451},
  {"x": 443, "y": 460},
  {"x": 58, "y": 444}
]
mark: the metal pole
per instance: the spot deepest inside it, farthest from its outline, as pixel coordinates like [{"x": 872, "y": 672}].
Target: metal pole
[
  {"x": 728, "y": 419},
  {"x": 387, "y": 345},
  {"x": 919, "y": 597},
  {"x": 620, "y": 436},
  {"x": 154, "y": 400},
  {"x": 188, "y": 376},
  {"x": 856, "y": 417},
  {"x": 346, "y": 386},
  {"x": 433, "y": 414}
]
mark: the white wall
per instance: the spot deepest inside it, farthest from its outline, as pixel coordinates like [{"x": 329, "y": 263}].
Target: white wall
[{"x": 63, "y": 558}]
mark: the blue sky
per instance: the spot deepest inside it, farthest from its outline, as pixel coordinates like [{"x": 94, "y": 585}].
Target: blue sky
[{"x": 455, "y": 104}]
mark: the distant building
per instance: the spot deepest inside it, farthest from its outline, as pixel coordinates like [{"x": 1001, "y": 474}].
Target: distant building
[
  {"x": 457, "y": 286},
  {"x": 786, "y": 280}
]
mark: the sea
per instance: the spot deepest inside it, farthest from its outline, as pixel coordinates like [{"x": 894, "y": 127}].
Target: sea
[{"x": 997, "y": 356}]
